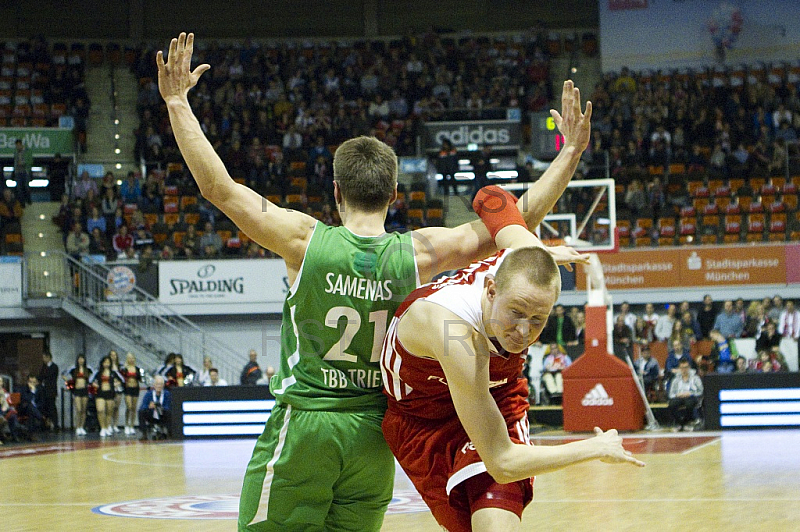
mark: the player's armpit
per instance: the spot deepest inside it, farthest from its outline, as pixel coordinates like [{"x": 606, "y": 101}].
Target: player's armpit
[
  {"x": 282, "y": 231},
  {"x": 440, "y": 249}
]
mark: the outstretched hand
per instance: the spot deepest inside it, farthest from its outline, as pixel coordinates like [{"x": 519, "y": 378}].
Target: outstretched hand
[
  {"x": 175, "y": 78},
  {"x": 565, "y": 256},
  {"x": 611, "y": 450},
  {"x": 572, "y": 123}
]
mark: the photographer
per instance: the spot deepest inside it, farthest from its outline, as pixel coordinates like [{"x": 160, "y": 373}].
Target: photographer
[{"x": 156, "y": 407}]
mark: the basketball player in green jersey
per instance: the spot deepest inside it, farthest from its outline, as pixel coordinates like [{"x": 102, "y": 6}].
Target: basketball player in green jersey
[{"x": 322, "y": 463}]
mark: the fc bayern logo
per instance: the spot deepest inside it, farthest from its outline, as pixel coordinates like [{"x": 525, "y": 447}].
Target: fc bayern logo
[
  {"x": 224, "y": 507},
  {"x": 121, "y": 280}
]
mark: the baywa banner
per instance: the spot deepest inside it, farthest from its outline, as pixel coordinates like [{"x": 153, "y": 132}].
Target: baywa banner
[
  {"x": 495, "y": 133},
  {"x": 44, "y": 141},
  {"x": 222, "y": 281}
]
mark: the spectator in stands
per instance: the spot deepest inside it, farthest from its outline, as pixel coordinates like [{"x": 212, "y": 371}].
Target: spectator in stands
[
  {"x": 720, "y": 359},
  {"x": 203, "y": 374},
  {"x": 647, "y": 368},
  {"x": 636, "y": 199},
  {"x": 109, "y": 205},
  {"x": 11, "y": 209},
  {"x": 482, "y": 165},
  {"x": 706, "y": 316},
  {"x": 756, "y": 318},
  {"x": 789, "y": 322},
  {"x": 769, "y": 338},
  {"x": 663, "y": 330},
  {"x": 650, "y": 319},
  {"x": 729, "y": 323},
  {"x": 622, "y": 337},
  {"x": 156, "y": 407},
  {"x": 23, "y": 161},
  {"x": 191, "y": 241},
  {"x": 210, "y": 239},
  {"x": 109, "y": 182},
  {"x": 251, "y": 372},
  {"x": 98, "y": 245},
  {"x": 554, "y": 363},
  {"x": 77, "y": 241},
  {"x": 741, "y": 365},
  {"x": 48, "y": 377},
  {"x": 447, "y": 165},
  {"x": 141, "y": 239},
  {"x": 580, "y": 327},
  {"x": 628, "y": 317},
  {"x": 689, "y": 329},
  {"x": 131, "y": 190},
  {"x": 775, "y": 311},
  {"x": 84, "y": 185},
  {"x": 96, "y": 220},
  {"x": 8, "y": 420},
  {"x": 685, "y": 392},
  {"x": 214, "y": 379},
  {"x": 559, "y": 329},
  {"x": 30, "y": 405},
  {"x": 122, "y": 240}
]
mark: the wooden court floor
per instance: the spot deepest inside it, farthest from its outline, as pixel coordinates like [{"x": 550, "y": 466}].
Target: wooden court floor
[{"x": 731, "y": 481}]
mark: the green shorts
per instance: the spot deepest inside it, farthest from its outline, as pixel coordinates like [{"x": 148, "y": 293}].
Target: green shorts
[{"x": 313, "y": 470}]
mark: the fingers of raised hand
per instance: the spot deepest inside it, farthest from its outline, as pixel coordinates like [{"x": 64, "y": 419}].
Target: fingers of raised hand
[
  {"x": 588, "y": 114},
  {"x": 173, "y": 47}
]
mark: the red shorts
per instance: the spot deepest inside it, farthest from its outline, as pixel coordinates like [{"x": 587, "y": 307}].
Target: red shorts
[{"x": 439, "y": 457}]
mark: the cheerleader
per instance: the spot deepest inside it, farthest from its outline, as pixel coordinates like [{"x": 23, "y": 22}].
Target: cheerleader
[
  {"x": 77, "y": 379},
  {"x": 118, "y": 392},
  {"x": 106, "y": 380},
  {"x": 133, "y": 378},
  {"x": 162, "y": 369},
  {"x": 178, "y": 373}
]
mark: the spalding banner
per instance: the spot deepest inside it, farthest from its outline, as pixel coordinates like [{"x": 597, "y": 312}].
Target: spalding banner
[
  {"x": 496, "y": 133},
  {"x": 222, "y": 281}
]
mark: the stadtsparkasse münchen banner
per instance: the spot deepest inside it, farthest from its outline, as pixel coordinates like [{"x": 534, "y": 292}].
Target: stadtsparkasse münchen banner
[{"x": 701, "y": 266}]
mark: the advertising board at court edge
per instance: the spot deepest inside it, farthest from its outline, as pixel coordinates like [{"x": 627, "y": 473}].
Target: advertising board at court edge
[
  {"x": 222, "y": 281},
  {"x": 698, "y": 267}
]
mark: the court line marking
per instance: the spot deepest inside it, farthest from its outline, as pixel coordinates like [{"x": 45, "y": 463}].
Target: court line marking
[
  {"x": 706, "y": 444},
  {"x": 11, "y": 504},
  {"x": 108, "y": 458},
  {"x": 755, "y": 499}
]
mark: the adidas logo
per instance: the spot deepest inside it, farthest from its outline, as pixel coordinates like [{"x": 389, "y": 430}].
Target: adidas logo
[{"x": 597, "y": 396}]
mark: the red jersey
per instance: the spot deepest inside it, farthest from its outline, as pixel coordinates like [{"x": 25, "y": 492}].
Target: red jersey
[{"x": 417, "y": 386}]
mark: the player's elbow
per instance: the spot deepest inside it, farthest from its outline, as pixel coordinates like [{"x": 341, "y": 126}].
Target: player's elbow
[{"x": 501, "y": 468}]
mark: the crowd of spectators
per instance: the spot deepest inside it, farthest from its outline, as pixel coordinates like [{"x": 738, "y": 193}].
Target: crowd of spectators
[
  {"x": 701, "y": 335},
  {"x": 39, "y": 83},
  {"x": 727, "y": 132},
  {"x": 276, "y": 112}
]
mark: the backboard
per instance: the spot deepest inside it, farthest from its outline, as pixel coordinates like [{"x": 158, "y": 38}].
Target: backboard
[{"x": 585, "y": 217}]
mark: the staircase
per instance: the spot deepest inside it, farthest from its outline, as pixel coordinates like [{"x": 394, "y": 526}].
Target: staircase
[
  {"x": 103, "y": 299},
  {"x": 112, "y": 118}
]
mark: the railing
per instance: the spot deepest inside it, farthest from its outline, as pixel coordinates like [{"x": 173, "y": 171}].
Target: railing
[{"x": 106, "y": 293}]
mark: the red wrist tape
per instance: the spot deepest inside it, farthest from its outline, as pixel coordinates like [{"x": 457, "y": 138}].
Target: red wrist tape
[{"x": 497, "y": 208}]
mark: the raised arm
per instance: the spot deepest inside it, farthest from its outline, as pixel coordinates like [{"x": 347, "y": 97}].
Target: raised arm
[
  {"x": 280, "y": 230},
  {"x": 465, "y": 363},
  {"x": 439, "y": 249},
  {"x": 575, "y": 126}
]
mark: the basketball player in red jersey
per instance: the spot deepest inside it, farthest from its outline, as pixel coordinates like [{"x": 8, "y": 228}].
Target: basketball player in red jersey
[{"x": 452, "y": 365}]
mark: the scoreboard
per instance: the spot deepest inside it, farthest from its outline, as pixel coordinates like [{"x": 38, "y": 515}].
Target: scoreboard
[{"x": 546, "y": 141}]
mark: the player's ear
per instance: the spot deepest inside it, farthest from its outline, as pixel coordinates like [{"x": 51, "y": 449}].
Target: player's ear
[{"x": 491, "y": 286}]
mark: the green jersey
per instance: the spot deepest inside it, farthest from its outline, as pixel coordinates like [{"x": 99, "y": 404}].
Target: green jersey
[{"x": 335, "y": 318}]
